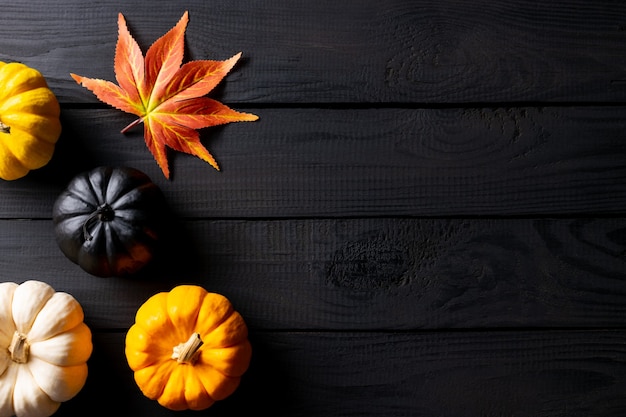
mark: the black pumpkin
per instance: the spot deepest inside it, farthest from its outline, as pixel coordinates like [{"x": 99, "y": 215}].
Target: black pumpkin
[{"x": 108, "y": 220}]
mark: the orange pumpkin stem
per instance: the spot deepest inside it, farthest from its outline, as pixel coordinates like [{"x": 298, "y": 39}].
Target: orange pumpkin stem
[
  {"x": 188, "y": 352},
  {"x": 19, "y": 348}
]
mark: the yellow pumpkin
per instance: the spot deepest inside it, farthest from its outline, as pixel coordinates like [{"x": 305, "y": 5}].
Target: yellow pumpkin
[
  {"x": 188, "y": 348},
  {"x": 29, "y": 120},
  {"x": 44, "y": 347}
]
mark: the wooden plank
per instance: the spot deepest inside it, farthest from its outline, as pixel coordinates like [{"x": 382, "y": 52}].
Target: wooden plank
[
  {"x": 362, "y": 162},
  {"x": 360, "y": 274},
  {"x": 428, "y": 51},
  {"x": 526, "y": 374},
  {"x": 427, "y": 220}
]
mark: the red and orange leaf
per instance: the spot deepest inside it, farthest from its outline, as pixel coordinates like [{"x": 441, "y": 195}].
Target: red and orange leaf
[
  {"x": 129, "y": 64},
  {"x": 168, "y": 98}
]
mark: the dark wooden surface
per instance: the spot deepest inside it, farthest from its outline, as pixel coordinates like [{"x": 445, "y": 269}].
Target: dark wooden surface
[{"x": 427, "y": 220}]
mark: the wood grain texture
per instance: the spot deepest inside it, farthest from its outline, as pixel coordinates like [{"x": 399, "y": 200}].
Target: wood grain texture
[
  {"x": 361, "y": 274},
  {"x": 470, "y": 374},
  {"x": 405, "y": 51},
  {"x": 427, "y": 220},
  {"x": 362, "y": 162}
]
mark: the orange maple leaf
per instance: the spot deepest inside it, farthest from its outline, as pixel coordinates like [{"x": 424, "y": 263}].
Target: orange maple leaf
[{"x": 167, "y": 97}]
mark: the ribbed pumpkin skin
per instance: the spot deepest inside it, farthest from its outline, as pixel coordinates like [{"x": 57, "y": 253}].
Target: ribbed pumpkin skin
[
  {"x": 44, "y": 348},
  {"x": 29, "y": 117},
  {"x": 163, "y": 324},
  {"x": 109, "y": 220}
]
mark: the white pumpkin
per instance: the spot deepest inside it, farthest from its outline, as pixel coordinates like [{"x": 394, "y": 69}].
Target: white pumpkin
[{"x": 44, "y": 347}]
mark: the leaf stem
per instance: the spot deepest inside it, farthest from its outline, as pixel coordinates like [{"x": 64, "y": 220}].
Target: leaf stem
[{"x": 133, "y": 124}]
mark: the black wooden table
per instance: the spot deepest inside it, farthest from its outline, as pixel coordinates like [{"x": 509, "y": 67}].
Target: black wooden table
[{"x": 426, "y": 220}]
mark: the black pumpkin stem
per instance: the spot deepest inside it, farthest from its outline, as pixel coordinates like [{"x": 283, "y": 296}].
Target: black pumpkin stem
[{"x": 103, "y": 213}]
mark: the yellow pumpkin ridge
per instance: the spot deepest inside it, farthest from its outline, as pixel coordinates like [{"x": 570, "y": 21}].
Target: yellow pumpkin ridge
[{"x": 29, "y": 120}]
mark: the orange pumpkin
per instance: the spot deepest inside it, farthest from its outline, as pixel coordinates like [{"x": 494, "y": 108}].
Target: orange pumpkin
[{"x": 188, "y": 348}]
